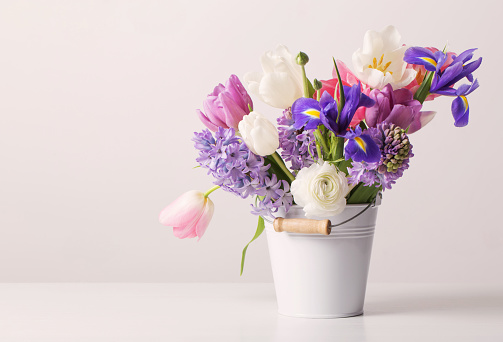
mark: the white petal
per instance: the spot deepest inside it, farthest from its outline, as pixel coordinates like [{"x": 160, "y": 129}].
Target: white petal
[
  {"x": 390, "y": 37},
  {"x": 372, "y": 43},
  {"x": 374, "y": 78},
  {"x": 279, "y": 90},
  {"x": 252, "y": 80},
  {"x": 408, "y": 76}
]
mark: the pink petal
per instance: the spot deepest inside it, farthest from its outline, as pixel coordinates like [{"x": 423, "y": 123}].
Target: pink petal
[
  {"x": 421, "y": 119},
  {"x": 184, "y": 210},
  {"x": 206, "y": 122},
  {"x": 213, "y": 111},
  {"x": 205, "y": 218}
]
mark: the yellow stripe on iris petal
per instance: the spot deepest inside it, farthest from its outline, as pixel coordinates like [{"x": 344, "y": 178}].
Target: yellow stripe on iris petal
[
  {"x": 465, "y": 101},
  {"x": 312, "y": 112},
  {"x": 429, "y": 60},
  {"x": 361, "y": 143}
]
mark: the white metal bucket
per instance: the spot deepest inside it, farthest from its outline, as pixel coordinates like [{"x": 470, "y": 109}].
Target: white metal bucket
[{"x": 323, "y": 276}]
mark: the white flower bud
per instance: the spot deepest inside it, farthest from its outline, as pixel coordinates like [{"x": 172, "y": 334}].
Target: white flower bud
[{"x": 259, "y": 134}]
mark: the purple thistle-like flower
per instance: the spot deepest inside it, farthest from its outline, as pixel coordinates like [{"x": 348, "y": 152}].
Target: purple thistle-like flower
[
  {"x": 236, "y": 169},
  {"x": 396, "y": 151},
  {"x": 297, "y": 146}
]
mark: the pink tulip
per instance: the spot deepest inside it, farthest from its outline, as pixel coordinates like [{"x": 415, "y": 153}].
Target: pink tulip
[
  {"x": 189, "y": 215},
  {"x": 226, "y": 105}
]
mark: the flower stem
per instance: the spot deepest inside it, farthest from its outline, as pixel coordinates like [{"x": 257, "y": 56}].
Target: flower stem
[
  {"x": 282, "y": 165},
  {"x": 318, "y": 134},
  {"x": 305, "y": 82},
  {"x": 207, "y": 193},
  {"x": 339, "y": 149}
]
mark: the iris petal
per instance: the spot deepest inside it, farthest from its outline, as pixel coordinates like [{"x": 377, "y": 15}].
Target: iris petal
[
  {"x": 421, "y": 56},
  {"x": 363, "y": 148},
  {"x": 306, "y": 112},
  {"x": 460, "y": 111}
]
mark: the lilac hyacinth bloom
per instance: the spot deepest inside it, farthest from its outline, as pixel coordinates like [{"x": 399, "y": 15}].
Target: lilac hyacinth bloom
[
  {"x": 236, "y": 169},
  {"x": 396, "y": 151},
  {"x": 297, "y": 147}
]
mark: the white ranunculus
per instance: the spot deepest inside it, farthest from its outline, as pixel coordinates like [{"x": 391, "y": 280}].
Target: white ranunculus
[
  {"x": 280, "y": 83},
  {"x": 259, "y": 134},
  {"x": 380, "y": 61},
  {"x": 321, "y": 189}
]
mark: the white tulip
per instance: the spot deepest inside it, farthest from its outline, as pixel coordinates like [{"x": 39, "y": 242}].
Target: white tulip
[
  {"x": 259, "y": 134},
  {"x": 280, "y": 83},
  {"x": 381, "y": 60},
  {"x": 321, "y": 190}
]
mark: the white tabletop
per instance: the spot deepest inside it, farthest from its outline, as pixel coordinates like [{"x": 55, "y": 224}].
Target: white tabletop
[{"x": 242, "y": 312}]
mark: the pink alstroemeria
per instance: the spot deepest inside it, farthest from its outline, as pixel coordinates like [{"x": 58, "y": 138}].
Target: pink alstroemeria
[
  {"x": 348, "y": 79},
  {"x": 189, "y": 214},
  {"x": 226, "y": 105}
]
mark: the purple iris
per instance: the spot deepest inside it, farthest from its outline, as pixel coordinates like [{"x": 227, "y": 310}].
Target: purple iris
[
  {"x": 361, "y": 147},
  {"x": 443, "y": 81},
  {"x": 309, "y": 113}
]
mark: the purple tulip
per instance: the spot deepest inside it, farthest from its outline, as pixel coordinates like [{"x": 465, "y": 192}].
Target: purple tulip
[
  {"x": 397, "y": 107},
  {"x": 226, "y": 105}
]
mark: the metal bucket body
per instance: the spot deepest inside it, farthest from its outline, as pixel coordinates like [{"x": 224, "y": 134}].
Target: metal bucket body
[{"x": 323, "y": 276}]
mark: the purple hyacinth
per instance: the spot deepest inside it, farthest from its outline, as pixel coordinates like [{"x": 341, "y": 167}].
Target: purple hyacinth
[
  {"x": 396, "y": 151},
  {"x": 298, "y": 147},
  {"x": 236, "y": 169}
]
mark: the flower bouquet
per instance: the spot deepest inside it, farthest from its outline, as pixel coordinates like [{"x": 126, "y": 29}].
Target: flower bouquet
[{"x": 338, "y": 142}]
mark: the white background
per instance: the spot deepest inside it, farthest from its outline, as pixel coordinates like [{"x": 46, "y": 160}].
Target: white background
[{"x": 97, "y": 111}]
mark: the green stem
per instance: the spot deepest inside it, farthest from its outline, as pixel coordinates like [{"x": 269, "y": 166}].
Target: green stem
[
  {"x": 319, "y": 138},
  {"x": 282, "y": 165},
  {"x": 305, "y": 82},
  {"x": 339, "y": 149},
  {"x": 207, "y": 193}
]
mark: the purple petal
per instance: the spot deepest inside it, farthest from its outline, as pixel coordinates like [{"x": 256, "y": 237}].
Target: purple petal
[
  {"x": 401, "y": 116},
  {"x": 449, "y": 74},
  {"x": 421, "y": 56},
  {"x": 363, "y": 148},
  {"x": 460, "y": 111},
  {"x": 306, "y": 112}
]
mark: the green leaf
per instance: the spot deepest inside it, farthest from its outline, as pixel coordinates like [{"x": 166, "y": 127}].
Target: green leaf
[
  {"x": 343, "y": 165},
  {"x": 424, "y": 89},
  {"x": 260, "y": 229},
  {"x": 276, "y": 169},
  {"x": 310, "y": 88},
  {"x": 342, "y": 101},
  {"x": 362, "y": 194}
]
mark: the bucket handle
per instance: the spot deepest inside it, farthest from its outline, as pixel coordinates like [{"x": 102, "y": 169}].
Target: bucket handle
[{"x": 310, "y": 226}]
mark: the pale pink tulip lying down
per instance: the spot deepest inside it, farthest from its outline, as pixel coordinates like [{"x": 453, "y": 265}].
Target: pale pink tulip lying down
[{"x": 189, "y": 215}]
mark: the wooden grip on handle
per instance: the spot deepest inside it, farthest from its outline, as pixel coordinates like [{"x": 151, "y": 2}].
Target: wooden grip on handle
[{"x": 304, "y": 226}]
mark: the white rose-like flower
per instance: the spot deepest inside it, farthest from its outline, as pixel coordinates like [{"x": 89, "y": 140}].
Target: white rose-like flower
[
  {"x": 259, "y": 134},
  {"x": 280, "y": 83},
  {"x": 321, "y": 189},
  {"x": 381, "y": 60}
]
